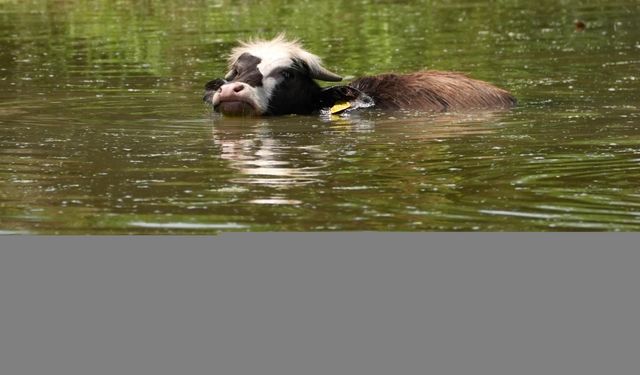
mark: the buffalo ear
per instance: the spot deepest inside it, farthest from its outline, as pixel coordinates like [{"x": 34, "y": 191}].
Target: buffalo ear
[
  {"x": 338, "y": 94},
  {"x": 343, "y": 94}
]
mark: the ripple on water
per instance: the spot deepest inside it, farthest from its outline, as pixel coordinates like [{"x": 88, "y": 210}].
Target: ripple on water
[
  {"x": 185, "y": 225},
  {"x": 276, "y": 201}
]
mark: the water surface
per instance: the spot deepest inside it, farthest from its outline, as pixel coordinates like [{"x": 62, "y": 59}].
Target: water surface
[{"x": 102, "y": 128}]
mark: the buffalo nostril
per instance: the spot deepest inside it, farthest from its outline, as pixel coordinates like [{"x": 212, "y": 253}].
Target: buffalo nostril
[{"x": 238, "y": 88}]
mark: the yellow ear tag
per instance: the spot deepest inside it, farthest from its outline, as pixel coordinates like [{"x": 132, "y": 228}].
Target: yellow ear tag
[{"x": 339, "y": 107}]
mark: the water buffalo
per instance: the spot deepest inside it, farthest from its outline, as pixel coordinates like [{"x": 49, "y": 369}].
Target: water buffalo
[{"x": 278, "y": 77}]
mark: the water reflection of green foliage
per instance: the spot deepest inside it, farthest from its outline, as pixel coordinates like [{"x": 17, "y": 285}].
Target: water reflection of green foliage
[{"x": 167, "y": 37}]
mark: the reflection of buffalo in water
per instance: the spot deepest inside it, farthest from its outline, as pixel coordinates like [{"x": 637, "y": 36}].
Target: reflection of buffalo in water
[
  {"x": 276, "y": 77},
  {"x": 295, "y": 151},
  {"x": 266, "y": 154}
]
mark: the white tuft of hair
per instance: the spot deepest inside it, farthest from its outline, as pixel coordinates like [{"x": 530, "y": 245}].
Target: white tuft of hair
[{"x": 276, "y": 52}]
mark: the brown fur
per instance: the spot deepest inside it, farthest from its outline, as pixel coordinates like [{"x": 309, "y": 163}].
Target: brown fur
[{"x": 432, "y": 90}]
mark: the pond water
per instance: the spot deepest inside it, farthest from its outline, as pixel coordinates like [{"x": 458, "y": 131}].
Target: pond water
[{"x": 102, "y": 128}]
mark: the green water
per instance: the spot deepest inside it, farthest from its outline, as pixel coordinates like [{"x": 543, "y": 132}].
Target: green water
[{"x": 102, "y": 128}]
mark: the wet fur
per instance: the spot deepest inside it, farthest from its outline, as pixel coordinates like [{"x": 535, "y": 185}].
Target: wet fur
[{"x": 433, "y": 91}]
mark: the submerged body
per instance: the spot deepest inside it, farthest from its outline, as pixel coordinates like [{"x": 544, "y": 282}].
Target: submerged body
[{"x": 277, "y": 77}]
